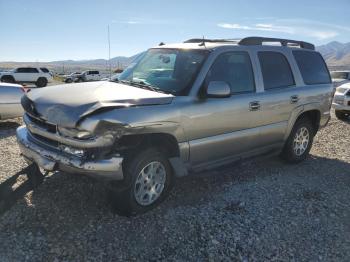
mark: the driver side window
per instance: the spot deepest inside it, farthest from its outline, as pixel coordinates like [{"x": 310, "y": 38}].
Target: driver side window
[{"x": 235, "y": 69}]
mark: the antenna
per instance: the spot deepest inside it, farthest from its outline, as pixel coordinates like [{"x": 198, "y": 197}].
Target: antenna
[
  {"x": 109, "y": 53},
  {"x": 203, "y": 43}
]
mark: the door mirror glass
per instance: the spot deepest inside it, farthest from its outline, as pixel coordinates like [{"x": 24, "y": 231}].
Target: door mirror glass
[{"x": 218, "y": 89}]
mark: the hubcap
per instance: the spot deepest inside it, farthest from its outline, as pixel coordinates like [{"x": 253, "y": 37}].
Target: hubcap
[
  {"x": 301, "y": 141},
  {"x": 150, "y": 183}
]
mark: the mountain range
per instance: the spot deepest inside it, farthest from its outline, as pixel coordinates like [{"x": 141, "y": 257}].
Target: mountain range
[{"x": 336, "y": 54}]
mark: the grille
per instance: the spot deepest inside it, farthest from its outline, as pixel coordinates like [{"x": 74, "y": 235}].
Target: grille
[
  {"x": 41, "y": 123},
  {"x": 45, "y": 140}
]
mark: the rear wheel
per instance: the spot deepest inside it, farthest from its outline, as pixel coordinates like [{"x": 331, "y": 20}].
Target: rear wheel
[
  {"x": 8, "y": 79},
  {"x": 299, "y": 142},
  {"x": 148, "y": 180},
  {"x": 41, "y": 82},
  {"x": 341, "y": 115}
]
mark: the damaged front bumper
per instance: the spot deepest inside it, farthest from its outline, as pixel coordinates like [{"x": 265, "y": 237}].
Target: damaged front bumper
[{"x": 52, "y": 159}]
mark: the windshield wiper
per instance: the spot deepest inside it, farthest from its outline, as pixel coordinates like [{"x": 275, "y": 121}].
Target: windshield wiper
[{"x": 143, "y": 85}]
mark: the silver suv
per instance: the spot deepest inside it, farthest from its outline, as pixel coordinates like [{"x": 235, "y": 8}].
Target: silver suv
[{"x": 179, "y": 109}]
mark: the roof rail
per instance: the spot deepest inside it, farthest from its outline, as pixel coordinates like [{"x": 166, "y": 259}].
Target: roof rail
[
  {"x": 201, "y": 40},
  {"x": 254, "y": 40}
]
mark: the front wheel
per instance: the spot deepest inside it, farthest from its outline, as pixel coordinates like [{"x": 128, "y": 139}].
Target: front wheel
[
  {"x": 148, "y": 180},
  {"x": 299, "y": 142}
]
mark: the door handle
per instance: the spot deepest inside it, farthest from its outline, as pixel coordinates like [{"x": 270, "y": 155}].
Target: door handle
[
  {"x": 294, "y": 99},
  {"x": 254, "y": 106}
]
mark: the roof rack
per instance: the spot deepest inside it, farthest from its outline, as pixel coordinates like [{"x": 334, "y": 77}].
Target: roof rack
[{"x": 284, "y": 42}]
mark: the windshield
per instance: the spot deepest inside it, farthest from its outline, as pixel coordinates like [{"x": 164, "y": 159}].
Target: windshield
[
  {"x": 339, "y": 75},
  {"x": 167, "y": 70}
]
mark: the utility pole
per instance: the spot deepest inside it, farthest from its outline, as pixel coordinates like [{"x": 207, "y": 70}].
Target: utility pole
[{"x": 109, "y": 53}]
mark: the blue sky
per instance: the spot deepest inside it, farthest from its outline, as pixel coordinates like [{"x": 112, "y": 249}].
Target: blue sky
[{"x": 36, "y": 30}]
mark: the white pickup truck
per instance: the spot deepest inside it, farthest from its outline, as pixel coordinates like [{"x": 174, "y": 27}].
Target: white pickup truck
[
  {"x": 39, "y": 76},
  {"x": 89, "y": 75}
]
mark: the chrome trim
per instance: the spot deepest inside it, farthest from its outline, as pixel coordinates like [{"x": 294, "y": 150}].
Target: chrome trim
[{"x": 55, "y": 160}]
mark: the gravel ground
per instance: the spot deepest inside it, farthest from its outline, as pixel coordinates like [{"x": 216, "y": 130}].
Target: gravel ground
[{"x": 258, "y": 210}]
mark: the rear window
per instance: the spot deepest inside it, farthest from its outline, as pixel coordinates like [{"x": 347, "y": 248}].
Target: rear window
[
  {"x": 45, "y": 70},
  {"x": 276, "y": 70},
  {"x": 312, "y": 67}
]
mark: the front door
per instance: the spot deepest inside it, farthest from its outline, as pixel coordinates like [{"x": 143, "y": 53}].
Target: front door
[{"x": 222, "y": 127}]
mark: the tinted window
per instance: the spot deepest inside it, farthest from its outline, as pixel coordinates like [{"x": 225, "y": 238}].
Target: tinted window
[
  {"x": 275, "y": 70},
  {"x": 235, "y": 69},
  {"x": 26, "y": 70},
  {"x": 312, "y": 67},
  {"x": 45, "y": 70}
]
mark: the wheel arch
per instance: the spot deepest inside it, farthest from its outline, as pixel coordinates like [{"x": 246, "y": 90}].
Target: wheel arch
[
  {"x": 313, "y": 113},
  {"x": 7, "y": 76},
  {"x": 168, "y": 143}
]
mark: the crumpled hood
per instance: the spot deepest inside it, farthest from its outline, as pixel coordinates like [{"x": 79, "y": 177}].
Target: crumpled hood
[{"x": 66, "y": 104}]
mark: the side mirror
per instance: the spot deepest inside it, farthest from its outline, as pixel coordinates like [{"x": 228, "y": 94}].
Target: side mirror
[{"x": 218, "y": 89}]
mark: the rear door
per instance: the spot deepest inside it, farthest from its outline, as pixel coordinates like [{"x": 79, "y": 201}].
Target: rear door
[
  {"x": 280, "y": 95},
  {"x": 96, "y": 75}
]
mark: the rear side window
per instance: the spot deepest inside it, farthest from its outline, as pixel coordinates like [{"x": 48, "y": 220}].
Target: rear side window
[
  {"x": 27, "y": 70},
  {"x": 235, "y": 69},
  {"x": 312, "y": 67},
  {"x": 276, "y": 70}
]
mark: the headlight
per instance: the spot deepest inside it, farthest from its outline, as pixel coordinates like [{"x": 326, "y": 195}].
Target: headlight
[
  {"x": 74, "y": 133},
  {"x": 342, "y": 89}
]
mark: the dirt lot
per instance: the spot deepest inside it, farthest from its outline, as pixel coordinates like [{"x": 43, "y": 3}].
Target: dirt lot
[{"x": 258, "y": 210}]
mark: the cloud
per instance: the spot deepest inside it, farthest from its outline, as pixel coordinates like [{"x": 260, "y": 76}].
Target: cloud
[
  {"x": 259, "y": 27},
  {"x": 142, "y": 21},
  {"x": 324, "y": 35},
  {"x": 287, "y": 29}
]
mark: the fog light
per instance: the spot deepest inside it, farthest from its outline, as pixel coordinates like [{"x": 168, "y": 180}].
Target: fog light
[{"x": 72, "y": 151}]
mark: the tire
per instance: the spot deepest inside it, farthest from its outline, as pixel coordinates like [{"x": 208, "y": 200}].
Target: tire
[
  {"x": 128, "y": 198},
  {"x": 296, "y": 150},
  {"x": 69, "y": 80},
  {"x": 8, "y": 79},
  {"x": 341, "y": 115},
  {"x": 41, "y": 82}
]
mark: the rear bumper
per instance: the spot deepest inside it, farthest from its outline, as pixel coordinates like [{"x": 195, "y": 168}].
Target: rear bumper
[{"x": 54, "y": 159}]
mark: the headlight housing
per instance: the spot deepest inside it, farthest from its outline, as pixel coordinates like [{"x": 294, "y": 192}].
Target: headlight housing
[{"x": 342, "y": 90}]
